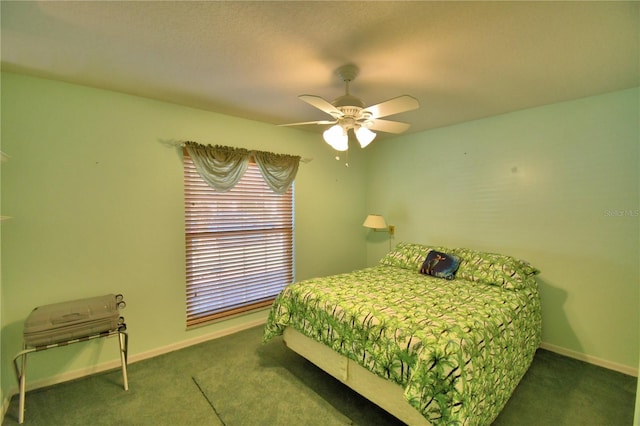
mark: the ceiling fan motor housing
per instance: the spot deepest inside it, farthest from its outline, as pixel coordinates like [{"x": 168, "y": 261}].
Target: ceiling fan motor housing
[{"x": 348, "y": 101}]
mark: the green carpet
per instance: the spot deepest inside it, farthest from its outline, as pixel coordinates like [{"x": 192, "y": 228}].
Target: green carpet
[
  {"x": 244, "y": 392},
  {"x": 556, "y": 391}
]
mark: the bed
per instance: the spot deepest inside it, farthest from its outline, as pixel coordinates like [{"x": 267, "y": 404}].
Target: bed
[{"x": 427, "y": 349}]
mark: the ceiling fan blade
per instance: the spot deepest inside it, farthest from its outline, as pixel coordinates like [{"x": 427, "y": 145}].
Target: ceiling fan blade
[
  {"x": 308, "y": 122},
  {"x": 321, "y": 104},
  {"x": 394, "y": 106},
  {"x": 389, "y": 126}
]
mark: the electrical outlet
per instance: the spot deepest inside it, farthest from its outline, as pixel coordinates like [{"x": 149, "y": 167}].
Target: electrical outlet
[{"x": 392, "y": 230}]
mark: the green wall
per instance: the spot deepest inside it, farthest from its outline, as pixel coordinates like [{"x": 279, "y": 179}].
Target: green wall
[
  {"x": 556, "y": 185},
  {"x": 94, "y": 186}
]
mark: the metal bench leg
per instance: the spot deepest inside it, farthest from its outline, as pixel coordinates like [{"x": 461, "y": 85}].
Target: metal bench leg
[
  {"x": 23, "y": 385},
  {"x": 21, "y": 374},
  {"x": 123, "y": 340}
]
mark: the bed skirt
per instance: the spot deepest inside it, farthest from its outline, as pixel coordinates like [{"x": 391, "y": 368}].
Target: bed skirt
[{"x": 384, "y": 393}]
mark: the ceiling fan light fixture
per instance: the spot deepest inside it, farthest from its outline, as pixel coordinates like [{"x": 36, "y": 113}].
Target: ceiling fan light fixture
[
  {"x": 364, "y": 136},
  {"x": 337, "y": 137}
]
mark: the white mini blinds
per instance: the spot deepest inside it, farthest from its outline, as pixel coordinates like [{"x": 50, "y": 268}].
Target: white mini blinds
[{"x": 239, "y": 243}]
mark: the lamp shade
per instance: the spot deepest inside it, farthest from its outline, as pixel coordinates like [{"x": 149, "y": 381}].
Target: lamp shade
[
  {"x": 374, "y": 221},
  {"x": 364, "y": 136},
  {"x": 336, "y": 137}
]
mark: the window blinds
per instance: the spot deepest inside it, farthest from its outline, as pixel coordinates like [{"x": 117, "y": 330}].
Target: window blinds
[{"x": 239, "y": 245}]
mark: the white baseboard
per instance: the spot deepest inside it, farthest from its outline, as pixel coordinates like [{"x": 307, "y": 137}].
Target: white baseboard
[
  {"x": 195, "y": 341},
  {"x": 110, "y": 365},
  {"x": 591, "y": 359}
]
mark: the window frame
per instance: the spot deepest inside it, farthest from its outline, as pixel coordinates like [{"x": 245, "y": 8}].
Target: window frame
[{"x": 265, "y": 250}]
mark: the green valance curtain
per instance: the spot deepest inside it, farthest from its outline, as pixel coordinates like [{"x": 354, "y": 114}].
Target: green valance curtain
[{"x": 223, "y": 166}]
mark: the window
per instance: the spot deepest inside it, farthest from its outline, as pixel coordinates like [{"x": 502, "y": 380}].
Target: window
[{"x": 239, "y": 245}]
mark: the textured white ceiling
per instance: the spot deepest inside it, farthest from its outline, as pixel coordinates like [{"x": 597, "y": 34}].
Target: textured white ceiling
[{"x": 461, "y": 60}]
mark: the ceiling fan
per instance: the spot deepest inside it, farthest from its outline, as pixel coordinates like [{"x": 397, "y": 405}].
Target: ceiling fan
[{"x": 349, "y": 112}]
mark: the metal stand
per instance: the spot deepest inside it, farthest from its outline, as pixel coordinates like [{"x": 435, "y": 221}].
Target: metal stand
[{"x": 21, "y": 372}]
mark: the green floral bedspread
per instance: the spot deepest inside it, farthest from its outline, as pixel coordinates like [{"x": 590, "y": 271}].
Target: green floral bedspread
[{"x": 457, "y": 347}]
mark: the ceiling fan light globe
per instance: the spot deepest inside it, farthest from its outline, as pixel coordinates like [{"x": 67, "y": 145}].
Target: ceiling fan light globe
[
  {"x": 336, "y": 137},
  {"x": 364, "y": 136},
  {"x": 342, "y": 145}
]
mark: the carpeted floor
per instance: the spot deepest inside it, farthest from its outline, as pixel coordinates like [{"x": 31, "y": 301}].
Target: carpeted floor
[
  {"x": 259, "y": 389},
  {"x": 184, "y": 387}
]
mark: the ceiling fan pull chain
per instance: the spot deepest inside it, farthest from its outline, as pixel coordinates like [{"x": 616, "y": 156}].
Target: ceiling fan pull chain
[{"x": 346, "y": 157}]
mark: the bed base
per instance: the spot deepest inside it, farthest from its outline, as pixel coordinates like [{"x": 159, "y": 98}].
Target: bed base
[{"x": 384, "y": 393}]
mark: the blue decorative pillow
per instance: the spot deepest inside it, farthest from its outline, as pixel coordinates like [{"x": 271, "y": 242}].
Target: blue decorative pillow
[{"x": 441, "y": 265}]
